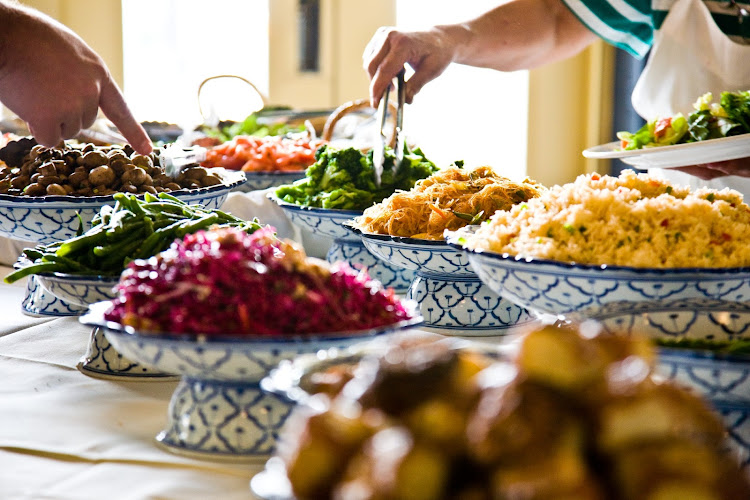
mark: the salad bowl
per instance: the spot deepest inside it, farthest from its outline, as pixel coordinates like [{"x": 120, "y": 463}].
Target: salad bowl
[
  {"x": 219, "y": 410},
  {"x": 451, "y": 297},
  {"x": 346, "y": 246}
]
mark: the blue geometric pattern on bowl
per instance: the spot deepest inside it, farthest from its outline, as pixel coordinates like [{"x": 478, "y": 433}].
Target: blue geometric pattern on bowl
[
  {"x": 102, "y": 360},
  {"x": 451, "y": 298},
  {"x": 74, "y": 293},
  {"x": 79, "y": 290},
  {"x": 723, "y": 379},
  {"x": 549, "y": 287},
  {"x": 263, "y": 180},
  {"x": 46, "y": 219},
  {"x": 347, "y": 247},
  {"x": 218, "y": 409},
  {"x": 38, "y": 302}
]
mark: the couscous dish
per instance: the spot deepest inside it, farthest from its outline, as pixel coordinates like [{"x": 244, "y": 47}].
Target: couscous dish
[{"x": 632, "y": 220}]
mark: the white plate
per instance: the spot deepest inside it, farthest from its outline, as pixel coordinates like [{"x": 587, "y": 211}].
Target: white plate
[{"x": 677, "y": 155}]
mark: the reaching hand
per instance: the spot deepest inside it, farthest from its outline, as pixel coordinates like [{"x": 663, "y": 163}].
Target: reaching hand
[
  {"x": 56, "y": 83},
  {"x": 427, "y": 52}
]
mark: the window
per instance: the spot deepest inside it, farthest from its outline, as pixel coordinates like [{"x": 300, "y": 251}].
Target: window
[
  {"x": 472, "y": 114},
  {"x": 171, "y": 46}
]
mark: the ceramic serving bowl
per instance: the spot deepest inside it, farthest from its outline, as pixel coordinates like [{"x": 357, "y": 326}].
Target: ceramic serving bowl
[
  {"x": 70, "y": 295},
  {"x": 347, "y": 246},
  {"x": 721, "y": 378},
  {"x": 560, "y": 288},
  {"x": 218, "y": 410},
  {"x": 451, "y": 297},
  {"x": 263, "y": 180},
  {"x": 46, "y": 219}
]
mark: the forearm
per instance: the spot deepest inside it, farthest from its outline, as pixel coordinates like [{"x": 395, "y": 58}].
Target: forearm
[{"x": 519, "y": 34}]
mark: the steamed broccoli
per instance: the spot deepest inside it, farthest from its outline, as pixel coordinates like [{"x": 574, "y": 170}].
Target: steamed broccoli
[{"x": 345, "y": 178}]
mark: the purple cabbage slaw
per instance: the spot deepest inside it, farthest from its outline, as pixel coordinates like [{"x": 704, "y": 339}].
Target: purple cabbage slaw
[{"x": 227, "y": 282}]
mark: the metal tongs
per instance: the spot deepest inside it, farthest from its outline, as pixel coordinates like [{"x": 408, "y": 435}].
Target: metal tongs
[{"x": 378, "y": 150}]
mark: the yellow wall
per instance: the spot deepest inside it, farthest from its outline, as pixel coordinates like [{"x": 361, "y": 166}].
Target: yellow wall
[
  {"x": 346, "y": 27},
  {"x": 570, "y": 103},
  {"x": 98, "y": 22},
  {"x": 570, "y": 109}
]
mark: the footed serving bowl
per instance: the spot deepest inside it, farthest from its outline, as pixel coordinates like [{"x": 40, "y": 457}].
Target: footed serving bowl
[
  {"x": 451, "y": 297},
  {"x": 76, "y": 293},
  {"x": 263, "y": 180},
  {"x": 47, "y": 219},
  {"x": 219, "y": 410},
  {"x": 561, "y": 288},
  {"x": 347, "y": 246}
]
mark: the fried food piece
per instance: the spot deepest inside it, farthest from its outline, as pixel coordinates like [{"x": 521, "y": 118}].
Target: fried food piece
[
  {"x": 409, "y": 374},
  {"x": 579, "y": 362},
  {"x": 658, "y": 412},
  {"x": 393, "y": 466},
  {"x": 318, "y": 443},
  {"x": 677, "y": 470}
]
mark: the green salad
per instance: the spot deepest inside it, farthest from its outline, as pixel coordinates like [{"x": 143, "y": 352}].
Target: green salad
[
  {"x": 730, "y": 116},
  {"x": 344, "y": 178}
]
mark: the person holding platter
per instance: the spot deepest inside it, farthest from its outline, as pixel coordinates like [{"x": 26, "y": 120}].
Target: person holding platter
[{"x": 695, "y": 47}]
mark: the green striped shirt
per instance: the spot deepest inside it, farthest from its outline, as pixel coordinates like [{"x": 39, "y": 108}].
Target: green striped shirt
[{"x": 630, "y": 24}]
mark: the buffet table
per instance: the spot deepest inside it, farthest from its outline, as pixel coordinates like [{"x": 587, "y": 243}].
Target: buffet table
[{"x": 65, "y": 435}]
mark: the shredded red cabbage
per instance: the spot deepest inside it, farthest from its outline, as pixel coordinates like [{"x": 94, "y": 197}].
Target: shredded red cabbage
[{"x": 225, "y": 281}]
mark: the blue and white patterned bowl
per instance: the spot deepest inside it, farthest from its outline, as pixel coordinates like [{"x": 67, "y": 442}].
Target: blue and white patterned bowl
[
  {"x": 347, "y": 246},
  {"x": 451, "y": 297},
  {"x": 219, "y": 410},
  {"x": 46, "y": 219},
  {"x": 558, "y": 288},
  {"x": 723, "y": 379},
  {"x": 76, "y": 293},
  {"x": 79, "y": 290},
  {"x": 257, "y": 181}
]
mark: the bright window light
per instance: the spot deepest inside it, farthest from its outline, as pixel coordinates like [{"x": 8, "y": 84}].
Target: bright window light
[
  {"x": 472, "y": 114},
  {"x": 171, "y": 46}
]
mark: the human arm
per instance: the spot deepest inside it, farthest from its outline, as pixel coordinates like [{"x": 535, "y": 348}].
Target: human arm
[
  {"x": 55, "y": 82},
  {"x": 520, "y": 34}
]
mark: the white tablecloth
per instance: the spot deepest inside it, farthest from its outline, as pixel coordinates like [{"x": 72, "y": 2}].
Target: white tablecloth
[{"x": 65, "y": 435}]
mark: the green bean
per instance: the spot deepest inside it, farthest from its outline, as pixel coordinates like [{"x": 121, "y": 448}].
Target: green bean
[
  {"x": 160, "y": 238},
  {"x": 125, "y": 231},
  {"x": 90, "y": 238},
  {"x": 114, "y": 260},
  {"x": 33, "y": 253},
  {"x": 71, "y": 264},
  {"x": 196, "y": 225},
  {"x": 41, "y": 267}
]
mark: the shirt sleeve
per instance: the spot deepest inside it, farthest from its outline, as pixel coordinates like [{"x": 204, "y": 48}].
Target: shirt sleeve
[{"x": 627, "y": 24}]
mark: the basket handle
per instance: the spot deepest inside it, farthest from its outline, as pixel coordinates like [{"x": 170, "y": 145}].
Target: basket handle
[
  {"x": 356, "y": 105},
  {"x": 200, "y": 89}
]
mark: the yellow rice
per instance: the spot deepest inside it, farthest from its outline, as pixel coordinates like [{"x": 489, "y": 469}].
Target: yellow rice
[{"x": 632, "y": 220}]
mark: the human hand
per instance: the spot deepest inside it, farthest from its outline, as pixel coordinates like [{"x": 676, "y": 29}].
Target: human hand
[
  {"x": 738, "y": 166},
  {"x": 428, "y": 53},
  {"x": 56, "y": 83}
]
